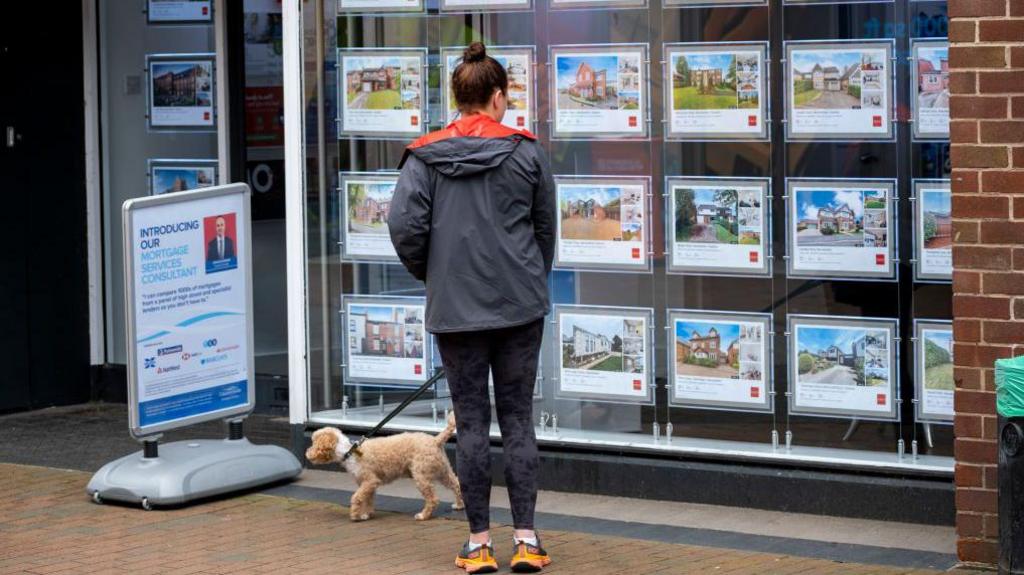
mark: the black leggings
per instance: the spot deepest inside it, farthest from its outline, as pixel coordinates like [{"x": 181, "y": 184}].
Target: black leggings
[{"x": 511, "y": 354}]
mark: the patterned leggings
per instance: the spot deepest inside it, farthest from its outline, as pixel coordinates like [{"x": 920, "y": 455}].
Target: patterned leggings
[{"x": 511, "y": 355}]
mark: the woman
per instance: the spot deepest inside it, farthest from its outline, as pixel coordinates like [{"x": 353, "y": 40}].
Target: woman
[{"x": 473, "y": 217}]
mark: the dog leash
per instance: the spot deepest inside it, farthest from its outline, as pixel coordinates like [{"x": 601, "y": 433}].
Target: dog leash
[{"x": 405, "y": 403}]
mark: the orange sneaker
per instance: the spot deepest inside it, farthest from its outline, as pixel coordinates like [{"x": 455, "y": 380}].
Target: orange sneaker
[
  {"x": 479, "y": 560},
  {"x": 528, "y": 558}
]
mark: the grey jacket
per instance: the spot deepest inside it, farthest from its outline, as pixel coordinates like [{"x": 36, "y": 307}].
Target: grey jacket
[{"x": 473, "y": 217}]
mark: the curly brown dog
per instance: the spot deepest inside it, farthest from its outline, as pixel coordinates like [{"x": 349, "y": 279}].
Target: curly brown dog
[{"x": 381, "y": 460}]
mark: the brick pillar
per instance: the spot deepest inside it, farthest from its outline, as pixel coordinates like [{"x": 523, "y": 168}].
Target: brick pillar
[{"x": 987, "y": 136}]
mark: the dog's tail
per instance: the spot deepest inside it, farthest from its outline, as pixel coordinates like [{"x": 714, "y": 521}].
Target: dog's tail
[{"x": 441, "y": 438}]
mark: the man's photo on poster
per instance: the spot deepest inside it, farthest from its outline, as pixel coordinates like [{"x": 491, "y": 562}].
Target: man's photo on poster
[{"x": 219, "y": 233}]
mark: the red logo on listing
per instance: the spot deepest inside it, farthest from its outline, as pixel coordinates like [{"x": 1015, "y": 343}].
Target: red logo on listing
[
  {"x": 520, "y": 121},
  {"x": 632, "y": 121},
  {"x": 755, "y": 392},
  {"x": 751, "y": 120},
  {"x": 206, "y": 10},
  {"x": 636, "y": 384},
  {"x": 206, "y": 115},
  {"x": 636, "y": 253},
  {"x": 417, "y": 369},
  {"x": 876, "y": 121},
  {"x": 415, "y": 120},
  {"x": 753, "y": 257},
  {"x": 880, "y": 399},
  {"x": 879, "y": 259}
]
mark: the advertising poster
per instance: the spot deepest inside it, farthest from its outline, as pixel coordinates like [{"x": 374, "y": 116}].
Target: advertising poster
[
  {"x": 181, "y": 92},
  {"x": 933, "y": 229},
  {"x": 843, "y": 367},
  {"x": 365, "y": 201},
  {"x": 693, "y": 3},
  {"x": 518, "y": 63},
  {"x": 385, "y": 340},
  {"x": 933, "y": 349},
  {"x": 599, "y": 91},
  {"x": 720, "y": 360},
  {"x": 716, "y": 91},
  {"x": 486, "y": 5},
  {"x": 603, "y": 353},
  {"x": 381, "y": 92},
  {"x": 264, "y": 93},
  {"x": 930, "y": 100},
  {"x": 169, "y": 176},
  {"x": 602, "y": 223},
  {"x": 190, "y": 307},
  {"x": 598, "y": 3},
  {"x": 380, "y": 5},
  {"x": 718, "y": 226},
  {"x": 841, "y": 228},
  {"x": 179, "y": 11},
  {"x": 839, "y": 90}
]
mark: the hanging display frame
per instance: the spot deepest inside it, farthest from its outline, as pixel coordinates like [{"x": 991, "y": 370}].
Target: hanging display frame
[
  {"x": 919, "y": 132},
  {"x": 757, "y": 396},
  {"x": 512, "y": 119},
  {"x": 927, "y": 409},
  {"x": 930, "y": 268},
  {"x": 641, "y": 386},
  {"x": 192, "y": 118},
  {"x": 414, "y": 119},
  {"x": 208, "y": 166},
  {"x": 385, "y": 254},
  {"x": 380, "y": 369}
]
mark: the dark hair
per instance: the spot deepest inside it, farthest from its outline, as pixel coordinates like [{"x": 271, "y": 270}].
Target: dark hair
[{"x": 476, "y": 78}]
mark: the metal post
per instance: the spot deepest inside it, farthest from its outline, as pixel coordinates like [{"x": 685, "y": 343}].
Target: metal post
[
  {"x": 235, "y": 430},
  {"x": 149, "y": 449}
]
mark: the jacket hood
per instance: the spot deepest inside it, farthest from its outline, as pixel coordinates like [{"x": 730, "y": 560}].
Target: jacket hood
[{"x": 468, "y": 146}]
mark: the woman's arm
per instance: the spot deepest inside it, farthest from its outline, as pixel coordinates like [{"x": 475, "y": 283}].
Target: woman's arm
[
  {"x": 543, "y": 213},
  {"x": 410, "y": 215}
]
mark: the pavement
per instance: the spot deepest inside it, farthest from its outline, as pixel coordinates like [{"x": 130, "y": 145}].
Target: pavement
[{"x": 48, "y": 525}]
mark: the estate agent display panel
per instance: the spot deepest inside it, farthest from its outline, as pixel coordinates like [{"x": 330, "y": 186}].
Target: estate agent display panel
[{"x": 752, "y": 252}]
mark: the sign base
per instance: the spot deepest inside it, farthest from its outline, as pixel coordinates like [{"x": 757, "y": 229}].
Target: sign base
[{"x": 189, "y": 470}]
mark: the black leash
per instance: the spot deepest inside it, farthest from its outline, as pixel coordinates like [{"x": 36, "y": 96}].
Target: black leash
[{"x": 405, "y": 403}]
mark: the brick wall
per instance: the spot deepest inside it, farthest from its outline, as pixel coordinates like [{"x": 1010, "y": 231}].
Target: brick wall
[{"x": 987, "y": 136}]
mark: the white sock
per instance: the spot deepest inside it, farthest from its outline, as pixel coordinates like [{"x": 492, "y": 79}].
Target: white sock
[
  {"x": 532, "y": 541},
  {"x": 475, "y": 546}
]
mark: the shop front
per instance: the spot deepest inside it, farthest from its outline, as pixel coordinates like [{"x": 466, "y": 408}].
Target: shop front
[{"x": 752, "y": 284}]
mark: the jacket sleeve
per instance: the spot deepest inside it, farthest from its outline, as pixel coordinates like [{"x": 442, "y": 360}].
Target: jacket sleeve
[
  {"x": 543, "y": 213},
  {"x": 410, "y": 215}
]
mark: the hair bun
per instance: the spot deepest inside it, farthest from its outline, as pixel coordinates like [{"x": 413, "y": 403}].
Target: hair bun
[{"x": 475, "y": 52}]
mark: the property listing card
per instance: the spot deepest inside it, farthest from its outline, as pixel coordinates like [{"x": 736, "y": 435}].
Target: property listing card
[
  {"x": 716, "y": 91},
  {"x": 843, "y": 366},
  {"x": 840, "y": 228},
  {"x": 365, "y": 204},
  {"x": 599, "y": 91},
  {"x": 181, "y": 92},
  {"x": 603, "y": 353},
  {"x": 602, "y": 223},
  {"x": 381, "y": 92},
  {"x": 518, "y": 64},
  {"x": 839, "y": 90},
  {"x": 933, "y": 351},
  {"x": 379, "y": 5},
  {"x": 385, "y": 340},
  {"x": 933, "y": 229},
  {"x": 718, "y": 226},
  {"x": 930, "y": 101},
  {"x": 720, "y": 360}
]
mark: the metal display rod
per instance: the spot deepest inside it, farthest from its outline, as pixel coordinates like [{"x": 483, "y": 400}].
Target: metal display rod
[{"x": 189, "y": 324}]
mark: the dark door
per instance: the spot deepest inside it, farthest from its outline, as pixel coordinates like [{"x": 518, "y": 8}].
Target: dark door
[{"x": 44, "y": 337}]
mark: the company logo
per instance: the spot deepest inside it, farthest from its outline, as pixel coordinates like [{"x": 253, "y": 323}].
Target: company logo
[
  {"x": 149, "y": 363},
  {"x": 213, "y": 359},
  {"x": 417, "y": 369},
  {"x": 753, "y": 257},
  {"x": 751, "y": 120},
  {"x": 632, "y": 121},
  {"x": 876, "y": 121},
  {"x": 168, "y": 369},
  {"x": 185, "y": 356},
  {"x": 755, "y": 392},
  {"x": 227, "y": 348},
  {"x": 206, "y": 115},
  {"x": 414, "y": 120},
  {"x": 169, "y": 350},
  {"x": 520, "y": 121},
  {"x": 210, "y": 343},
  {"x": 879, "y": 259},
  {"x": 206, "y": 10},
  {"x": 637, "y": 385},
  {"x": 636, "y": 253},
  {"x": 880, "y": 399}
]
